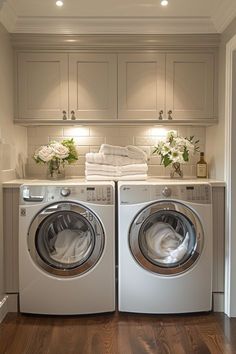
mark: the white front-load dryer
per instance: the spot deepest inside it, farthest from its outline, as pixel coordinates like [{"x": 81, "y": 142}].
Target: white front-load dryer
[
  {"x": 165, "y": 247},
  {"x": 67, "y": 248}
]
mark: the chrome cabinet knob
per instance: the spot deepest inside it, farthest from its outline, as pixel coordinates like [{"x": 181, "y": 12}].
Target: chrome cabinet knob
[
  {"x": 73, "y": 117},
  {"x": 166, "y": 192},
  {"x": 160, "y": 115},
  {"x": 64, "y": 117},
  {"x": 65, "y": 192},
  {"x": 169, "y": 115}
]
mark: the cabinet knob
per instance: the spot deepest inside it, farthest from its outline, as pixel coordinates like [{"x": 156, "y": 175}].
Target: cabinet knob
[
  {"x": 73, "y": 117},
  {"x": 64, "y": 117},
  {"x": 160, "y": 115},
  {"x": 169, "y": 115}
]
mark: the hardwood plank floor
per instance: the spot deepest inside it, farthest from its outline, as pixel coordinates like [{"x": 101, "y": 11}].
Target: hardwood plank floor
[{"x": 118, "y": 333}]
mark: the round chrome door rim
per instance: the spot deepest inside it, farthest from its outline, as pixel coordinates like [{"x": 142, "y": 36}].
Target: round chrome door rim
[
  {"x": 98, "y": 235},
  {"x": 134, "y": 235}
]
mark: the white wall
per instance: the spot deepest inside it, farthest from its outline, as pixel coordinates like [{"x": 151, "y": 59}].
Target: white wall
[
  {"x": 13, "y": 143},
  {"x": 216, "y": 144},
  {"x": 215, "y": 136}
]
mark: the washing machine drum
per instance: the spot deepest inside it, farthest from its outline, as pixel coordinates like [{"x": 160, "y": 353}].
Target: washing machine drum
[
  {"x": 66, "y": 239},
  {"x": 166, "y": 238}
]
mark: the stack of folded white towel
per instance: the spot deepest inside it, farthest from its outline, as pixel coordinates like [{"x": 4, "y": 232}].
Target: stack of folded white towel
[{"x": 116, "y": 163}]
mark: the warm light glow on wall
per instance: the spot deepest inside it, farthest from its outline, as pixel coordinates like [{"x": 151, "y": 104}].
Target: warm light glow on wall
[
  {"x": 158, "y": 132},
  {"x": 59, "y": 3},
  {"x": 164, "y": 2},
  {"x": 78, "y": 132}
]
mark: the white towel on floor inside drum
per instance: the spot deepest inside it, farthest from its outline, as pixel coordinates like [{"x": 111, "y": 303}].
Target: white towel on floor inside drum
[
  {"x": 164, "y": 244},
  {"x": 71, "y": 246}
]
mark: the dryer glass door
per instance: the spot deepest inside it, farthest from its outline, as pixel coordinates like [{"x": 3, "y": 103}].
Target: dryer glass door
[
  {"x": 66, "y": 239},
  {"x": 166, "y": 238}
]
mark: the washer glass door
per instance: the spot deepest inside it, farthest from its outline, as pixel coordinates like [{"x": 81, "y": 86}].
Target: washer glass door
[
  {"x": 66, "y": 239},
  {"x": 166, "y": 238}
]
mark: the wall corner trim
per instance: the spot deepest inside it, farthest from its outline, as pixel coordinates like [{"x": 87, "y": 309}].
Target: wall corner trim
[{"x": 3, "y": 308}]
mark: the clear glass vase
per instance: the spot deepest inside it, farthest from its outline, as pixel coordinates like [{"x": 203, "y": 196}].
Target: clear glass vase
[
  {"x": 55, "y": 170},
  {"x": 176, "y": 170}
]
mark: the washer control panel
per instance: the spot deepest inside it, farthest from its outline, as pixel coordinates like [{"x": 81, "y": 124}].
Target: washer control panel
[
  {"x": 94, "y": 194},
  {"x": 194, "y": 193},
  {"x": 198, "y": 193}
]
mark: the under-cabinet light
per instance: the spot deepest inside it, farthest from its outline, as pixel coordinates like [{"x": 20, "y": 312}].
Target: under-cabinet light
[
  {"x": 164, "y": 2},
  {"x": 59, "y": 3}
]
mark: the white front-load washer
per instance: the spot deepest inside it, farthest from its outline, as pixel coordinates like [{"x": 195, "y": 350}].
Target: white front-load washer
[
  {"x": 165, "y": 247},
  {"x": 67, "y": 248}
]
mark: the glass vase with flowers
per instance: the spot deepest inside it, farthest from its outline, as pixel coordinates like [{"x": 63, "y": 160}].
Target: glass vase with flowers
[{"x": 56, "y": 155}]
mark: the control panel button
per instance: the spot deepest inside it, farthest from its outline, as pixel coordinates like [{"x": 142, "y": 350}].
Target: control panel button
[
  {"x": 166, "y": 192},
  {"x": 65, "y": 192}
]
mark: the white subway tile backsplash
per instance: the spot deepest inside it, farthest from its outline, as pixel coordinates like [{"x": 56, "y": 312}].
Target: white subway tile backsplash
[
  {"x": 74, "y": 170},
  {"x": 102, "y": 131},
  {"x": 94, "y": 148},
  {"x": 89, "y": 139},
  {"x": 76, "y": 131},
  {"x": 49, "y": 131},
  {"x": 139, "y": 141},
  {"x": 154, "y": 160},
  {"x": 82, "y": 150},
  {"x": 120, "y": 140}
]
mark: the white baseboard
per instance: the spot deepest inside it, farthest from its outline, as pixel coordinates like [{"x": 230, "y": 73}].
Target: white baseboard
[
  {"x": 218, "y": 302},
  {"x": 12, "y": 303},
  {"x": 3, "y": 308}
]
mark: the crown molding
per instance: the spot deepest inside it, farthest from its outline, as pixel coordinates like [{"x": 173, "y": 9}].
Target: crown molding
[
  {"x": 29, "y": 41},
  {"x": 102, "y": 25},
  {"x": 8, "y": 16},
  {"x": 224, "y": 14}
]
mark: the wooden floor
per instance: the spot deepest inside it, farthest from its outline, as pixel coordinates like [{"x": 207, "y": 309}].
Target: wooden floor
[{"x": 118, "y": 334}]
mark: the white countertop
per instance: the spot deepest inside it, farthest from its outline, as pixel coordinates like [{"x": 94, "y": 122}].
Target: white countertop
[{"x": 16, "y": 183}]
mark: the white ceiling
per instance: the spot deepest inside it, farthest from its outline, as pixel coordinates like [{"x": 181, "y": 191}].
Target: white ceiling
[{"x": 117, "y": 16}]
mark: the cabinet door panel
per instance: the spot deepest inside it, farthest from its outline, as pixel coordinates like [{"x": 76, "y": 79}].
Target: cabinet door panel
[
  {"x": 189, "y": 85},
  {"x": 42, "y": 85},
  {"x": 141, "y": 85},
  {"x": 93, "y": 86}
]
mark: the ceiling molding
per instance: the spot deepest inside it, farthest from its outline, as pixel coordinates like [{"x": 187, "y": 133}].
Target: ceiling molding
[
  {"x": 217, "y": 23},
  {"x": 224, "y": 14},
  {"x": 112, "y": 25},
  {"x": 29, "y": 41},
  {"x": 8, "y": 16}
]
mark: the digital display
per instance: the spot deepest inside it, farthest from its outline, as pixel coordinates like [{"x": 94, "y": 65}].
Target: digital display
[
  {"x": 190, "y": 188},
  {"x": 90, "y": 189}
]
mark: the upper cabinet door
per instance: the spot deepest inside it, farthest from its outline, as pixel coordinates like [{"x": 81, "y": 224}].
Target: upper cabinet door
[
  {"x": 190, "y": 86},
  {"x": 141, "y": 86},
  {"x": 93, "y": 86},
  {"x": 42, "y": 85}
]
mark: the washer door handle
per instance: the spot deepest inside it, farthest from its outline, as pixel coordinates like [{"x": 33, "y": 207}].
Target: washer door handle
[{"x": 34, "y": 198}]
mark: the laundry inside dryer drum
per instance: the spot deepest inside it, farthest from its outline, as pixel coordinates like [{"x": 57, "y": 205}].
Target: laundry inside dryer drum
[
  {"x": 64, "y": 240},
  {"x": 167, "y": 238}
]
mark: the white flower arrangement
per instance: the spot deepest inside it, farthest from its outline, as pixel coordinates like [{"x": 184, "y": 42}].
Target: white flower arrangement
[
  {"x": 175, "y": 149},
  {"x": 56, "y": 154}
]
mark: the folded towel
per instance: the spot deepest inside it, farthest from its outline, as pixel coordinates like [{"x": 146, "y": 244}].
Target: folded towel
[
  {"x": 115, "y": 170},
  {"x": 116, "y": 178},
  {"x": 130, "y": 151},
  {"x": 115, "y": 160}
]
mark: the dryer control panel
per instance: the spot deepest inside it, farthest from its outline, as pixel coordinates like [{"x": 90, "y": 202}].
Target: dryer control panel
[
  {"x": 99, "y": 194},
  {"x": 193, "y": 193}
]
